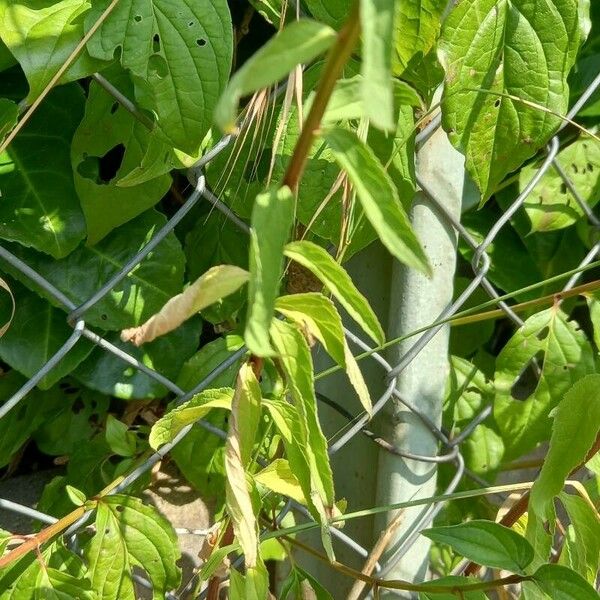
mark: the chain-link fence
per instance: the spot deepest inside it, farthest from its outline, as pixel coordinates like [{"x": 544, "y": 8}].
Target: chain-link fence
[{"x": 449, "y": 447}]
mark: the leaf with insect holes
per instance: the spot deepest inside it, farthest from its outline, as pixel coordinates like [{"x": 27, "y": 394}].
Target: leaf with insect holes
[
  {"x": 272, "y": 219},
  {"x": 297, "y": 43},
  {"x": 317, "y": 317},
  {"x": 377, "y": 30},
  {"x": 40, "y": 207},
  {"x": 378, "y": 197},
  {"x": 524, "y": 400},
  {"x": 561, "y": 583},
  {"x": 42, "y": 35},
  {"x": 243, "y": 427},
  {"x": 319, "y": 262},
  {"x": 132, "y": 300},
  {"x": 179, "y": 54},
  {"x": 131, "y": 534},
  {"x": 168, "y": 426},
  {"x": 486, "y": 543},
  {"x": 492, "y": 49},
  {"x": 575, "y": 427},
  {"x": 104, "y": 202},
  {"x": 218, "y": 282}
]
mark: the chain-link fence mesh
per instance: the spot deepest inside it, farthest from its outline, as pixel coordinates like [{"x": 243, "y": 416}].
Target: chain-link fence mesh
[{"x": 449, "y": 447}]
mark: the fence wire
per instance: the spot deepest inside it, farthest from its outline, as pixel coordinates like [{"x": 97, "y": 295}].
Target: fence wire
[{"x": 450, "y": 447}]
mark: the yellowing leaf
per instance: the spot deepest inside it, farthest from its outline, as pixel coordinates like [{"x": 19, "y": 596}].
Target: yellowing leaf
[
  {"x": 279, "y": 477},
  {"x": 216, "y": 283}
]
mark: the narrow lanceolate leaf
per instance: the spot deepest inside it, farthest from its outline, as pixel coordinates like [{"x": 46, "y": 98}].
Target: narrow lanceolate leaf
[
  {"x": 39, "y": 206},
  {"x": 296, "y": 360},
  {"x": 563, "y": 355},
  {"x": 167, "y": 427},
  {"x": 318, "y": 318},
  {"x": 521, "y": 48},
  {"x": 128, "y": 534},
  {"x": 486, "y": 543},
  {"x": 378, "y": 197},
  {"x": 319, "y": 262},
  {"x": 243, "y": 425},
  {"x": 218, "y": 282},
  {"x": 279, "y": 478},
  {"x": 252, "y": 585},
  {"x": 575, "y": 428},
  {"x": 377, "y": 28},
  {"x": 9, "y": 114},
  {"x": 179, "y": 52},
  {"x": 42, "y": 35},
  {"x": 272, "y": 218},
  {"x": 560, "y": 583},
  {"x": 298, "y": 43}
]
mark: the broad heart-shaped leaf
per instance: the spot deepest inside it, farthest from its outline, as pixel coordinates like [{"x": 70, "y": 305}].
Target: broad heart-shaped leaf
[
  {"x": 134, "y": 299},
  {"x": 179, "y": 53},
  {"x": 9, "y": 115},
  {"x": 296, "y": 360},
  {"x": 272, "y": 220},
  {"x": 486, "y": 543},
  {"x": 581, "y": 549},
  {"x": 563, "y": 355},
  {"x": 218, "y": 282},
  {"x": 378, "y": 197},
  {"x": 317, "y": 317},
  {"x": 124, "y": 140},
  {"x": 517, "y": 47},
  {"x": 561, "y": 583},
  {"x": 575, "y": 427},
  {"x": 297, "y": 43},
  {"x": 377, "y": 28},
  {"x": 339, "y": 283},
  {"x": 106, "y": 373},
  {"x": 167, "y": 427},
  {"x": 41, "y": 35},
  {"x": 39, "y": 206},
  {"x": 130, "y": 533},
  {"x": 551, "y": 205},
  {"x": 243, "y": 427},
  {"x": 37, "y": 332},
  {"x": 416, "y": 27}
]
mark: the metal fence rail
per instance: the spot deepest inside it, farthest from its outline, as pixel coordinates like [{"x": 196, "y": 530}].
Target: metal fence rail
[{"x": 450, "y": 448}]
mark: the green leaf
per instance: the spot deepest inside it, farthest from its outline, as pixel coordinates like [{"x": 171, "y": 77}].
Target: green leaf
[
  {"x": 332, "y": 12},
  {"x": 416, "y": 27},
  {"x": 41, "y": 35},
  {"x": 593, "y": 302},
  {"x": 338, "y": 282},
  {"x": 377, "y": 27},
  {"x": 77, "y": 497},
  {"x": 253, "y": 585},
  {"x": 120, "y": 440},
  {"x": 7, "y": 60},
  {"x": 37, "y": 332},
  {"x": 279, "y": 478},
  {"x": 299, "y": 584},
  {"x": 107, "y": 373},
  {"x": 272, "y": 219},
  {"x": 53, "y": 584},
  {"x": 9, "y": 115},
  {"x": 486, "y": 543},
  {"x": 130, "y": 302},
  {"x": 296, "y": 361},
  {"x": 521, "y": 48},
  {"x": 563, "y": 356},
  {"x": 581, "y": 550},
  {"x": 124, "y": 139},
  {"x": 129, "y": 533},
  {"x": 167, "y": 427},
  {"x": 218, "y": 282},
  {"x": 179, "y": 54},
  {"x": 456, "y": 581},
  {"x": 561, "y": 583},
  {"x": 317, "y": 317},
  {"x": 551, "y": 205},
  {"x": 574, "y": 430},
  {"x": 378, "y": 197},
  {"x": 243, "y": 426},
  {"x": 40, "y": 207},
  {"x": 298, "y": 43}
]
